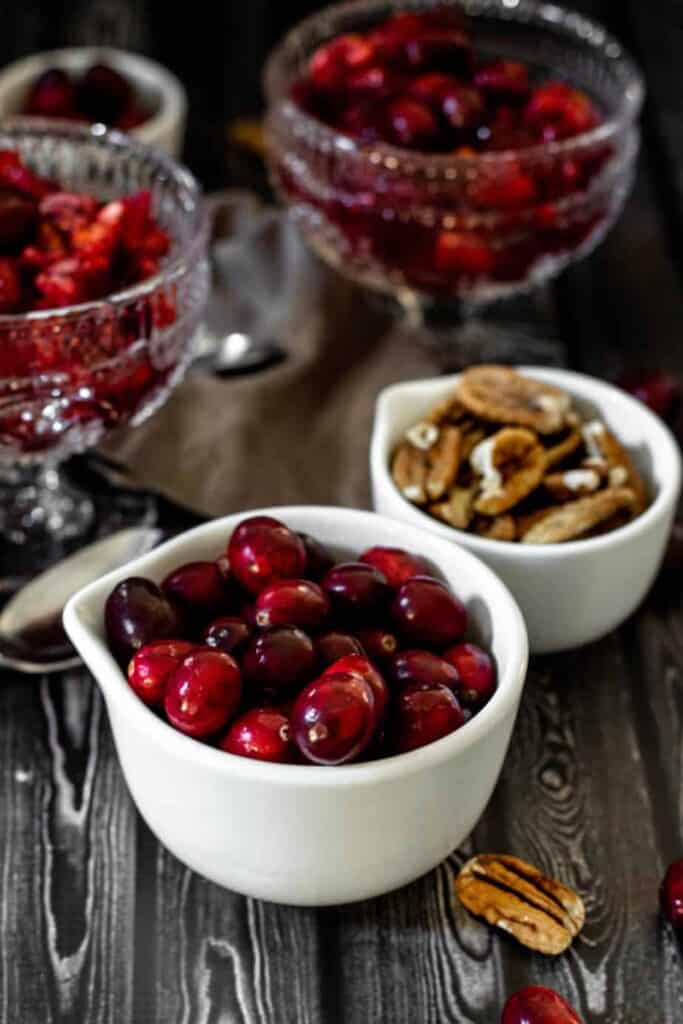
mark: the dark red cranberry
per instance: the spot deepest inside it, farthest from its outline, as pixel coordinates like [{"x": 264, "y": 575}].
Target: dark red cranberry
[
  {"x": 263, "y": 734},
  {"x": 318, "y": 558},
  {"x": 334, "y": 718},
  {"x": 431, "y": 87},
  {"x": 359, "y": 665},
  {"x": 660, "y": 391},
  {"x": 476, "y": 670},
  {"x": 103, "y": 94},
  {"x": 151, "y": 666},
  {"x": 507, "y": 189},
  {"x": 197, "y": 590},
  {"x": 18, "y": 218},
  {"x": 463, "y": 107},
  {"x": 372, "y": 81},
  {"x": 52, "y": 95},
  {"x": 279, "y": 660},
  {"x": 136, "y": 613},
  {"x": 503, "y": 80},
  {"x": 537, "y": 1004},
  {"x": 447, "y": 50},
  {"x": 463, "y": 252},
  {"x": 358, "y": 591},
  {"x": 203, "y": 692},
  {"x": 395, "y": 563},
  {"x": 379, "y": 644},
  {"x": 423, "y": 713},
  {"x": 416, "y": 666},
  {"x": 333, "y": 645},
  {"x": 365, "y": 120},
  {"x": 291, "y": 603},
  {"x": 671, "y": 894},
  {"x": 262, "y": 550},
  {"x": 426, "y": 613},
  {"x": 412, "y": 123},
  {"x": 558, "y": 111},
  {"x": 228, "y": 633},
  {"x": 10, "y": 287},
  {"x": 333, "y": 61}
]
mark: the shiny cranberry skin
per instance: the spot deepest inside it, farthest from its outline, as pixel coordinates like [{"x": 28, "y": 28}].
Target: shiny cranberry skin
[
  {"x": 279, "y": 660},
  {"x": 333, "y": 645},
  {"x": 318, "y": 558},
  {"x": 503, "y": 80},
  {"x": 671, "y": 894},
  {"x": 538, "y": 1005},
  {"x": 203, "y": 692},
  {"x": 103, "y": 94},
  {"x": 426, "y": 613},
  {"x": 228, "y": 633},
  {"x": 263, "y": 734},
  {"x": 660, "y": 391},
  {"x": 423, "y": 667},
  {"x": 358, "y": 591},
  {"x": 292, "y": 603},
  {"x": 262, "y": 549},
  {"x": 361, "y": 666},
  {"x": 423, "y": 713},
  {"x": 476, "y": 670},
  {"x": 395, "y": 564},
  {"x": 52, "y": 95},
  {"x": 412, "y": 123},
  {"x": 333, "y": 718},
  {"x": 136, "y": 613},
  {"x": 151, "y": 666},
  {"x": 333, "y": 61},
  {"x": 379, "y": 644},
  {"x": 196, "y": 589}
]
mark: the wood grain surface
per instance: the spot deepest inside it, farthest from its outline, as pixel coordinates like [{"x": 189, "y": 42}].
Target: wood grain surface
[{"x": 98, "y": 923}]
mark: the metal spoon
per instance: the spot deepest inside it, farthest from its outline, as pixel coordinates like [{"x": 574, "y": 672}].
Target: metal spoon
[{"x": 31, "y": 635}]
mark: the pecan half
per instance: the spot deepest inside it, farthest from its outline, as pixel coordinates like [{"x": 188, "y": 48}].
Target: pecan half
[
  {"x": 511, "y": 464},
  {"x": 501, "y": 395},
  {"x": 458, "y": 508},
  {"x": 409, "y": 470},
  {"x": 576, "y": 518},
  {"x": 444, "y": 462},
  {"x": 601, "y": 443},
  {"x": 538, "y": 911}
]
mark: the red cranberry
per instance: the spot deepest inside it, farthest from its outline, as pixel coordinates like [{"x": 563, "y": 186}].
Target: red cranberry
[
  {"x": 412, "y": 123},
  {"x": 463, "y": 107},
  {"x": 503, "y": 79},
  {"x": 357, "y": 591},
  {"x": 318, "y": 558},
  {"x": 279, "y": 660},
  {"x": 371, "y": 81},
  {"x": 263, "y": 734},
  {"x": 228, "y": 633},
  {"x": 560, "y": 111},
  {"x": 509, "y": 188},
  {"x": 203, "y": 692},
  {"x": 430, "y": 88},
  {"x": 424, "y": 713},
  {"x": 333, "y": 645},
  {"x": 660, "y": 391},
  {"x": 423, "y": 667},
  {"x": 359, "y": 665},
  {"x": 333, "y": 718},
  {"x": 379, "y": 644},
  {"x": 197, "y": 589},
  {"x": 443, "y": 50},
  {"x": 538, "y": 1005},
  {"x": 151, "y": 666},
  {"x": 292, "y": 603},
  {"x": 671, "y": 894},
  {"x": 476, "y": 670},
  {"x": 263, "y": 549},
  {"x": 425, "y": 612},
  {"x": 103, "y": 94},
  {"x": 10, "y": 287},
  {"x": 333, "y": 61},
  {"x": 463, "y": 252},
  {"x": 52, "y": 95},
  {"x": 397, "y": 565},
  {"x": 136, "y": 613}
]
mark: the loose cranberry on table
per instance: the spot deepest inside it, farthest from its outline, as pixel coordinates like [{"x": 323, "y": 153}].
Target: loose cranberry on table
[
  {"x": 262, "y": 550},
  {"x": 423, "y": 713},
  {"x": 671, "y": 894},
  {"x": 203, "y": 692},
  {"x": 476, "y": 671},
  {"x": 263, "y": 734},
  {"x": 334, "y": 718},
  {"x": 136, "y": 613},
  {"x": 426, "y": 613},
  {"x": 151, "y": 666},
  {"x": 537, "y": 1004}
]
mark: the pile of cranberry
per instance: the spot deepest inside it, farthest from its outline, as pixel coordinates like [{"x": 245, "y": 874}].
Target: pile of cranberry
[
  {"x": 98, "y": 94},
  {"x": 275, "y": 652}
]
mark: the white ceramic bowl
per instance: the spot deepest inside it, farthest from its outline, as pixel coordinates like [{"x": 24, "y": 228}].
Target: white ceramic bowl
[
  {"x": 161, "y": 90},
  {"x": 303, "y": 834},
  {"x": 573, "y": 593}
]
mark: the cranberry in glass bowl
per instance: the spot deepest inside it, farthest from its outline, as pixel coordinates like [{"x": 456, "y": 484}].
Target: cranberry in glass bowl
[
  {"x": 432, "y": 156},
  {"x": 82, "y": 354}
]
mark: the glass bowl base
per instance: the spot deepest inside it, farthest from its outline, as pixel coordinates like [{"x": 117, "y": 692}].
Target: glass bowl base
[{"x": 37, "y": 505}]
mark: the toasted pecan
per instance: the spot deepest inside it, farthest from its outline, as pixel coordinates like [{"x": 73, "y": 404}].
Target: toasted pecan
[
  {"x": 572, "y": 483},
  {"x": 501, "y": 395},
  {"x": 444, "y": 462},
  {"x": 575, "y": 518},
  {"x": 458, "y": 508},
  {"x": 511, "y": 464},
  {"x": 409, "y": 470}
]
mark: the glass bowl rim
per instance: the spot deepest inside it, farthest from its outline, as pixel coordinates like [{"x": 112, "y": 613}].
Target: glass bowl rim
[
  {"x": 118, "y": 140},
  {"x": 397, "y": 158}
]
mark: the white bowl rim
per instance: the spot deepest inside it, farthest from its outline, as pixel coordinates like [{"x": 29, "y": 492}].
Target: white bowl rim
[
  {"x": 667, "y": 448},
  {"x": 115, "y": 687}
]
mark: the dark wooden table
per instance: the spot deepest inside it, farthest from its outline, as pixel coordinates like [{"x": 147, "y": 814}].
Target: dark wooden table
[{"x": 98, "y": 923}]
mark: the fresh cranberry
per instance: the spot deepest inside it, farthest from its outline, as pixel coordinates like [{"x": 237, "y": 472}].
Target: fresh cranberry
[
  {"x": 203, "y": 692},
  {"x": 412, "y": 123},
  {"x": 16, "y": 175},
  {"x": 10, "y": 287},
  {"x": 136, "y": 613},
  {"x": 151, "y": 666},
  {"x": 463, "y": 107},
  {"x": 263, "y": 734},
  {"x": 197, "y": 590},
  {"x": 430, "y": 88},
  {"x": 671, "y": 894},
  {"x": 476, "y": 671},
  {"x": 537, "y": 1004},
  {"x": 318, "y": 558},
  {"x": 359, "y": 665},
  {"x": 279, "y": 660},
  {"x": 424, "y": 713},
  {"x": 395, "y": 564},
  {"x": 103, "y": 94},
  {"x": 559, "y": 111},
  {"x": 441, "y": 50},
  {"x": 379, "y": 644},
  {"x": 423, "y": 667},
  {"x": 660, "y": 391},
  {"x": 333, "y": 645},
  {"x": 262, "y": 549},
  {"x": 509, "y": 188},
  {"x": 228, "y": 633},
  {"x": 333, "y": 61},
  {"x": 358, "y": 591},
  {"x": 503, "y": 80},
  {"x": 372, "y": 81},
  {"x": 52, "y": 95},
  {"x": 425, "y": 612},
  {"x": 365, "y": 120},
  {"x": 333, "y": 718},
  {"x": 292, "y": 603},
  {"x": 463, "y": 252}
]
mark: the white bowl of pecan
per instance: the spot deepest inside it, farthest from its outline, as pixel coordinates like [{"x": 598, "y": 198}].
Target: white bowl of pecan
[{"x": 564, "y": 485}]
